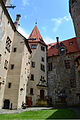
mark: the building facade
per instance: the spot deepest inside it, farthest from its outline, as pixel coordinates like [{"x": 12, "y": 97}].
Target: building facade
[
  {"x": 18, "y": 72},
  {"x": 32, "y": 74},
  {"x": 63, "y": 85},
  {"x": 74, "y": 8},
  {"x": 14, "y": 61},
  {"x": 63, "y": 65},
  {"x": 37, "y": 84},
  {"x": 7, "y": 29}
]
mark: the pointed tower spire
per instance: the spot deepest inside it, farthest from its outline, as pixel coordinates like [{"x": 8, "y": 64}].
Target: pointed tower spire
[
  {"x": 35, "y": 33},
  {"x": 35, "y": 36}
]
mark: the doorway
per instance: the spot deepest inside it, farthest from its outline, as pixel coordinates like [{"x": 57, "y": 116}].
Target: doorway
[
  {"x": 41, "y": 94},
  {"x": 6, "y": 104}
]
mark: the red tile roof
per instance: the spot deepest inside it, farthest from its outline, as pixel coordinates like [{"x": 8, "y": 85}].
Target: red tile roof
[
  {"x": 70, "y": 48},
  {"x": 35, "y": 36}
]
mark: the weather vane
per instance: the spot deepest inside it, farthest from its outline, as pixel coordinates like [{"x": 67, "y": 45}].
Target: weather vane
[{"x": 36, "y": 22}]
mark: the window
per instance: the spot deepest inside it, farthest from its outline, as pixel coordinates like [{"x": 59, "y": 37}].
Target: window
[
  {"x": 6, "y": 65},
  {"x": 42, "y": 67},
  {"x": 0, "y": 58},
  {"x": 73, "y": 83},
  {"x": 67, "y": 64},
  {"x": 31, "y": 91},
  {"x": 32, "y": 77},
  {"x": 33, "y": 46},
  {"x": 70, "y": 43},
  {"x": 14, "y": 49},
  {"x": 32, "y": 38},
  {"x": 8, "y": 44},
  {"x": 12, "y": 66},
  {"x": 42, "y": 59},
  {"x": 62, "y": 51},
  {"x": 52, "y": 47},
  {"x": 9, "y": 85},
  {"x": 33, "y": 64},
  {"x": 42, "y": 94},
  {"x": 42, "y": 48},
  {"x": 42, "y": 79},
  {"x": 50, "y": 66}
]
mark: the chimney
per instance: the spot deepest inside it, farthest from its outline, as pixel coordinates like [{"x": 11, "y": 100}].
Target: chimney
[
  {"x": 17, "y": 21},
  {"x": 57, "y": 38}
]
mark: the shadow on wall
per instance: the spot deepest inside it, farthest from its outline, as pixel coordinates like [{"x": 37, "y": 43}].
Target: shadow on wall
[{"x": 63, "y": 114}]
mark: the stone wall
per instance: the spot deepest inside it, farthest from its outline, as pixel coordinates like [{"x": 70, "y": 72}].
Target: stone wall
[
  {"x": 6, "y": 31},
  {"x": 62, "y": 83},
  {"x": 75, "y": 14},
  {"x": 37, "y": 72},
  {"x": 17, "y": 76}
]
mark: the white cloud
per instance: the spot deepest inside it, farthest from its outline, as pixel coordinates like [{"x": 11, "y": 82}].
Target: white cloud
[
  {"x": 25, "y": 34},
  {"x": 67, "y": 18},
  {"x": 49, "y": 40},
  {"x": 58, "y": 22},
  {"x": 25, "y": 2}
]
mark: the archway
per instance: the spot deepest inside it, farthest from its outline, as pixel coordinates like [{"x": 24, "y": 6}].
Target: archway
[{"x": 6, "y": 104}]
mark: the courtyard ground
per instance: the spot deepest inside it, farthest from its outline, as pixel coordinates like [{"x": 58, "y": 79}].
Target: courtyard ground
[{"x": 41, "y": 114}]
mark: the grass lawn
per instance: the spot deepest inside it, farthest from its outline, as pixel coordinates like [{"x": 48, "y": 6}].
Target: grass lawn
[{"x": 41, "y": 114}]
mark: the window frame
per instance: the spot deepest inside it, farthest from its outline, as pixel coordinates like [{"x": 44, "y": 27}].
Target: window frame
[
  {"x": 12, "y": 66},
  {"x": 33, "y": 45},
  {"x": 32, "y": 77},
  {"x": 9, "y": 85},
  {"x": 42, "y": 59},
  {"x": 42, "y": 67},
  {"x": 31, "y": 91},
  {"x": 33, "y": 64},
  {"x": 6, "y": 65},
  {"x": 14, "y": 49},
  {"x": 43, "y": 48}
]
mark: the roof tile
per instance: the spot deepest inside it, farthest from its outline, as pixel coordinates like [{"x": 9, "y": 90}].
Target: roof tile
[{"x": 70, "y": 47}]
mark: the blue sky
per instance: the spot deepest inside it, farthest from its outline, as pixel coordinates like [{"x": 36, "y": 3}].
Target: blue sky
[{"x": 52, "y": 16}]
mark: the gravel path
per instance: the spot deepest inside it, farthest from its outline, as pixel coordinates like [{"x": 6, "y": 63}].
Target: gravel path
[{"x": 4, "y": 111}]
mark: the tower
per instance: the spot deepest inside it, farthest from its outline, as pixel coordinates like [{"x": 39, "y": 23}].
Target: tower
[
  {"x": 37, "y": 85},
  {"x": 74, "y": 9}
]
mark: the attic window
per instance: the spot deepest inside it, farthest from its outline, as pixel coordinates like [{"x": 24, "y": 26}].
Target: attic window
[
  {"x": 62, "y": 49},
  {"x": 52, "y": 46},
  {"x": 32, "y": 38},
  {"x": 70, "y": 43},
  {"x": 49, "y": 44}
]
